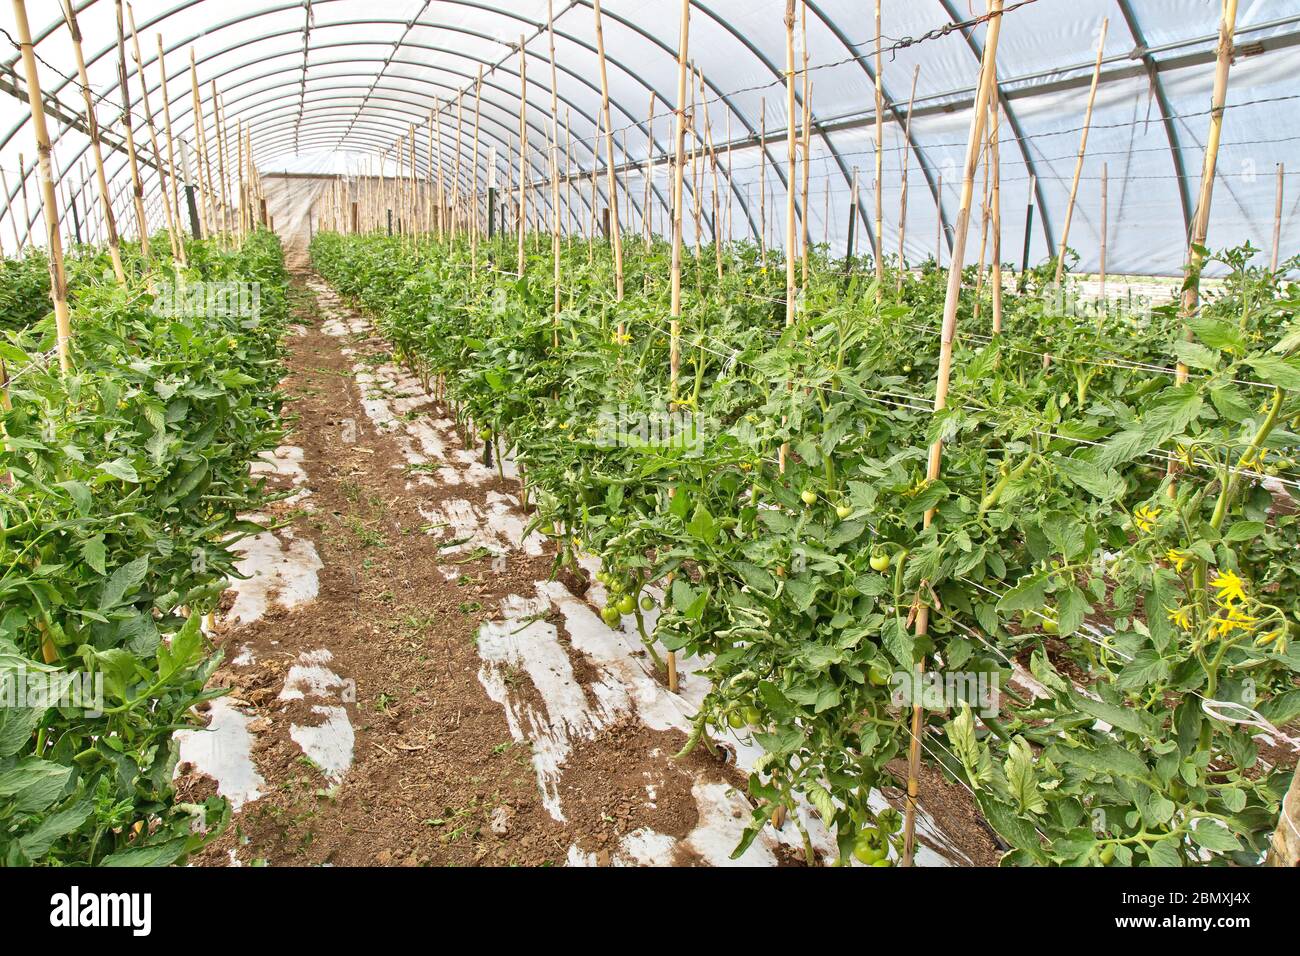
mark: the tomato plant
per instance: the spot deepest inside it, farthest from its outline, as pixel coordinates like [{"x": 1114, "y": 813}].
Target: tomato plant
[
  {"x": 1099, "y": 524},
  {"x": 123, "y": 484}
]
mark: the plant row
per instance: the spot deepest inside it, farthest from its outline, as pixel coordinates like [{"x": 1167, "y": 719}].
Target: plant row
[
  {"x": 1102, "y": 530},
  {"x": 121, "y": 486}
]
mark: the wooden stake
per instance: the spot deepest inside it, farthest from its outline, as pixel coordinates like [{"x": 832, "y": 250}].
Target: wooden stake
[
  {"x": 523, "y": 152},
  {"x": 473, "y": 199},
  {"x": 1277, "y": 218},
  {"x": 9, "y": 208},
  {"x": 948, "y": 335},
  {"x": 1105, "y": 215},
  {"x": 805, "y": 232},
  {"x": 177, "y": 244},
  {"x": 675, "y": 332},
  {"x": 555, "y": 170},
  {"x": 1083, "y": 145},
  {"x": 791, "y": 153},
  {"x": 200, "y": 149},
  {"x": 137, "y": 188},
  {"x": 649, "y": 171},
  {"x": 762, "y": 182},
  {"x": 880, "y": 181},
  {"x": 171, "y": 148},
  {"x": 22, "y": 186},
  {"x": 995, "y": 216},
  {"x": 49, "y": 202},
  {"x": 1201, "y": 221},
  {"x": 902, "y": 200},
  {"x": 96, "y": 151}
]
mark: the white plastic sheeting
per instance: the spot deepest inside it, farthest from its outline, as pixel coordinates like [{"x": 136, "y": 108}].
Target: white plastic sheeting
[{"x": 324, "y": 84}]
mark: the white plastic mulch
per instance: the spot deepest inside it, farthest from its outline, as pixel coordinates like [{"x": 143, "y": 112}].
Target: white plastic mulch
[{"x": 517, "y": 642}]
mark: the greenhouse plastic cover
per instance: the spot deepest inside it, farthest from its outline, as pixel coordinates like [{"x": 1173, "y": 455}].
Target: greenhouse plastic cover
[{"x": 325, "y": 86}]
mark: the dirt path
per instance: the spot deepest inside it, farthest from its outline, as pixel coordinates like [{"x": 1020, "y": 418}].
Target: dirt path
[{"x": 409, "y": 688}]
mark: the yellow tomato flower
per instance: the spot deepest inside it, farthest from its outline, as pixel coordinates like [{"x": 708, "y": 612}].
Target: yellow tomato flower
[
  {"x": 1178, "y": 559},
  {"x": 1230, "y": 587},
  {"x": 1181, "y": 617},
  {"x": 1234, "y": 619},
  {"x": 1146, "y": 518}
]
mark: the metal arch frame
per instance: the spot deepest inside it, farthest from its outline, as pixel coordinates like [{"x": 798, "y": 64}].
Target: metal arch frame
[
  {"x": 397, "y": 46},
  {"x": 926, "y": 169},
  {"x": 469, "y": 3},
  {"x": 1166, "y": 114},
  {"x": 721, "y": 96},
  {"x": 771, "y": 67},
  {"x": 186, "y": 110},
  {"x": 420, "y": 118},
  {"x": 977, "y": 49}
]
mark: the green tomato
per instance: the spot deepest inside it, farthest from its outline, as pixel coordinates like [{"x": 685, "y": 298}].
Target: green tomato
[
  {"x": 1050, "y": 623},
  {"x": 809, "y": 497},
  {"x": 626, "y": 604},
  {"x": 753, "y": 715},
  {"x": 879, "y": 674},
  {"x": 736, "y": 720},
  {"x": 647, "y": 603},
  {"x": 889, "y": 820},
  {"x": 880, "y": 562},
  {"x": 610, "y": 615},
  {"x": 870, "y": 846},
  {"x": 1107, "y": 854},
  {"x": 843, "y": 511}
]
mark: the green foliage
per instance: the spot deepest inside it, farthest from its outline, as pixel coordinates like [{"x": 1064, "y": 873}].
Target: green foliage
[
  {"x": 1057, "y": 525},
  {"x": 122, "y": 485}
]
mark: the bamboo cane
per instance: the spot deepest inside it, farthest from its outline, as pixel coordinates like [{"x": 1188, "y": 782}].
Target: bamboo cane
[
  {"x": 523, "y": 152},
  {"x": 995, "y": 219},
  {"x": 49, "y": 203},
  {"x": 22, "y": 186},
  {"x": 171, "y": 148},
  {"x": 938, "y": 223},
  {"x": 96, "y": 151},
  {"x": 762, "y": 182},
  {"x": 1105, "y": 215},
  {"x": 1284, "y": 849},
  {"x": 478, "y": 117},
  {"x": 949, "y": 331},
  {"x": 791, "y": 158},
  {"x": 13, "y": 220},
  {"x": 984, "y": 230},
  {"x": 717, "y": 209},
  {"x": 1277, "y": 218},
  {"x": 1191, "y": 298},
  {"x": 555, "y": 171},
  {"x": 880, "y": 179},
  {"x": 436, "y": 124},
  {"x": 1083, "y": 146},
  {"x": 649, "y": 171},
  {"x": 178, "y": 251},
  {"x": 455, "y": 176},
  {"x": 902, "y": 199},
  {"x": 805, "y": 232},
  {"x": 675, "y": 331},
  {"x": 200, "y": 148},
  {"x": 136, "y": 187}
]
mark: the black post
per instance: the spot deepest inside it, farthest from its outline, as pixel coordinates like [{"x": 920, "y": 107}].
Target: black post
[
  {"x": 853, "y": 235},
  {"x": 492, "y": 212},
  {"x": 1024, "y": 258},
  {"x": 76, "y": 221},
  {"x": 390, "y": 222},
  {"x": 194, "y": 211}
]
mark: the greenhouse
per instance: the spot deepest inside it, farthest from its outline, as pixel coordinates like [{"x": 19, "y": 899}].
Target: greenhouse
[{"x": 790, "y": 433}]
